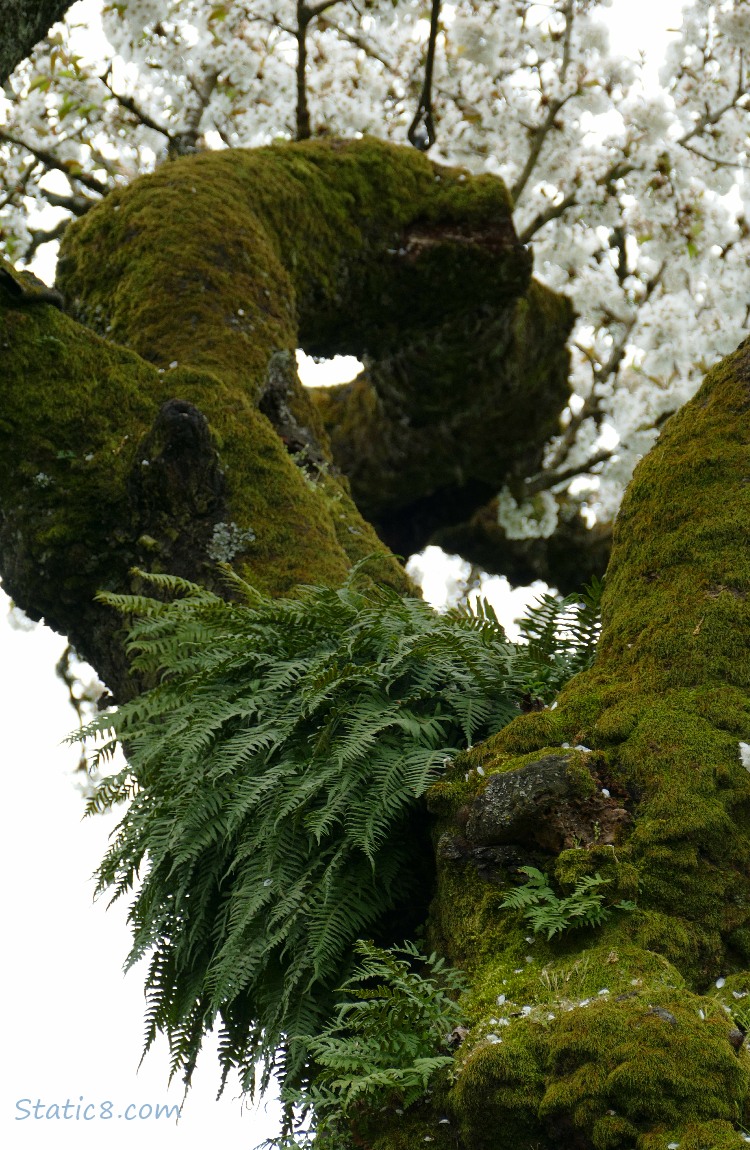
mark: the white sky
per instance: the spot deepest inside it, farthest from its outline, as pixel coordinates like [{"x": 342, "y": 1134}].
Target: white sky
[{"x": 73, "y": 1021}]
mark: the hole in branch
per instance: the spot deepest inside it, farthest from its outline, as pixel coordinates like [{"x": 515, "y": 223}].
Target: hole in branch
[{"x": 327, "y": 372}]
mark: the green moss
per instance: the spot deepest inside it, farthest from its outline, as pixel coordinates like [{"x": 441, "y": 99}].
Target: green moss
[
  {"x": 460, "y": 404},
  {"x": 215, "y": 268},
  {"x": 601, "y": 1049},
  {"x": 653, "y": 1060},
  {"x": 75, "y": 410},
  {"x": 66, "y": 498},
  {"x": 225, "y": 260},
  {"x": 712, "y": 1135},
  {"x": 499, "y": 1090},
  {"x": 313, "y": 228},
  {"x": 426, "y": 1125},
  {"x": 218, "y": 258},
  {"x": 643, "y": 1060}
]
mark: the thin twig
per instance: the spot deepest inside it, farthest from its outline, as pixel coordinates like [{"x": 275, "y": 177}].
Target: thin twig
[
  {"x": 615, "y": 172},
  {"x": 421, "y": 132},
  {"x": 546, "y": 480},
  {"x": 566, "y": 56},
  {"x": 129, "y": 104},
  {"x": 357, "y": 41},
  {"x": 53, "y": 164},
  {"x": 590, "y": 410},
  {"x": 538, "y": 136},
  {"x": 736, "y": 165}
]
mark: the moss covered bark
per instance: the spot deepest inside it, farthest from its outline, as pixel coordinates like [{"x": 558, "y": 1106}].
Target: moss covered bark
[
  {"x": 357, "y": 248},
  {"x": 159, "y": 421},
  {"x": 109, "y": 463},
  {"x": 432, "y": 431},
  {"x": 629, "y": 1035}
]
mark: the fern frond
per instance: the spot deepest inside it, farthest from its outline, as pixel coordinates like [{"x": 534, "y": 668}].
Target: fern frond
[
  {"x": 546, "y": 911},
  {"x": 274, "y": 778}
]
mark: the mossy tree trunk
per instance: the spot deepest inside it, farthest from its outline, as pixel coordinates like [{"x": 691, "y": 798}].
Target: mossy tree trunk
[
  {"x": 158, "y": 421},
  {"x": 629, "y": 1035}
]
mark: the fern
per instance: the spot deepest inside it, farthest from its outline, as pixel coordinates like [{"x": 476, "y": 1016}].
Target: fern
[
  {"x": 274, "y": 774},
  {"x": 545, "y": 911},
  {"x": 558, "y": 640},
  {"x": 388, "y": 1037},
  {"x": 274, "y": 777}
]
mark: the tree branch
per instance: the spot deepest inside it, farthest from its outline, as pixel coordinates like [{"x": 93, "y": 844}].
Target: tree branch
[
  {"x": 358, "y": 42},
  {"x": 538, "y": 135},
  {"x": 553, "y": 212},
  {"x": 615, "y": 172},
  {"x": 590, "y": 409},
  {"x": 421, "y": 133},
  {"x": 305, "y": 16},
  {"x": 41, "y": 236},
  {"x": 76, "y": 205},
  {"x": 302, "y": 113},
  {"x": 737, "y": 165},
  {"x": 53, "y": 164},
  {"x": 315, "y": 10},
  {"x": 547, "y": 480},
  {"x": 711, "y": 118},
  {"x": 568, "y": 38},
  {"x": 129, "y": 105}
]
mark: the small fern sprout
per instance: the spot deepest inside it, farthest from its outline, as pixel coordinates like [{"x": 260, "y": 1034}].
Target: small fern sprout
[
  {"x": 546, "y": 912},
  {"x": 559, "y": 638}
]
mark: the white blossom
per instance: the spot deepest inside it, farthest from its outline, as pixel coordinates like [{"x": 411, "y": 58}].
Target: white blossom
[{"x": 533, "y": 518}]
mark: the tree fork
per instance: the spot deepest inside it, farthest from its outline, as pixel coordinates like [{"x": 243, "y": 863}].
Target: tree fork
[{"x": 194, "y": 286}]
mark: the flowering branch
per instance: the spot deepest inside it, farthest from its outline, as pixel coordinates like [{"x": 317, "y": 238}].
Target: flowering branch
[{"x": 54, "y": 164}]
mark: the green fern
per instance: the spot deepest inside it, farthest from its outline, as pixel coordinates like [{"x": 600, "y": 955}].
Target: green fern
[
  {"x": 388, "y": 1038},
  {"x": 274, "y": 777},
  {"x": 558, "y": 640},
  {"x": 545, "y": 911}
]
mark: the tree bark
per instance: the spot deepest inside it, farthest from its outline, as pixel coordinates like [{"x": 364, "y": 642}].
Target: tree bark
[
  {"x": 630, "y": 1034},
  {"x": 23, "y": 23},
  {"x": 199, "y": 282}
]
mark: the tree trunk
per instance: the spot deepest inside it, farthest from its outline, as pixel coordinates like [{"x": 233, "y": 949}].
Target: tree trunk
[
  {"x": 23, "y": 23},
  {"x": 629, "y": 1034}
]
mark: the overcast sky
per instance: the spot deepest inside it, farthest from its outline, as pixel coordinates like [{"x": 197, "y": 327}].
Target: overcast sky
[{"x": 73, "y": 1022}]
